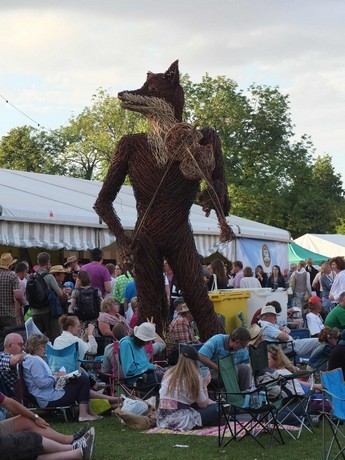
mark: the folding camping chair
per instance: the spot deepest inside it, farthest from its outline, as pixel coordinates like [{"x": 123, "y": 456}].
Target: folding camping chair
[
  {"x": 65, "y": 357},
  {"x": 69, "y": 359},
  {"x": 293, "y": 407},
  {"x": 241, "y": 402},
  {"x": 116, "y": 379},
  {"x": 22, "y": 395},
  {"x": 140, "y": 387},
  {"x": 333, "y": 391},
  {"x": 302, "y": 333}
]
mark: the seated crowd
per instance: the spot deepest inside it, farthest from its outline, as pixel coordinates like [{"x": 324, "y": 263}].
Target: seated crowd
[{"x": 96, "y": 308}]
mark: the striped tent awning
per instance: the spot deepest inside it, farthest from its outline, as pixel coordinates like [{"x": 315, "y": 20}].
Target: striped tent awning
[
  {"x": 53, "y": 237},
  {"x": 204, "y": 243}
]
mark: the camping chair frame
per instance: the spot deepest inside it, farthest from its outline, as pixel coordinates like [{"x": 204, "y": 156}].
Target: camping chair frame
[
  {"x": 334, "y": 392},
  {"x": 259, "y": 362},
  {"x": 292, "y": 403},
  {"x": 141, "y": 390},
  {"x": 116, "y": 379},
  {"x": 22, "y": 395},
  {"x": 233, "y": 402}
]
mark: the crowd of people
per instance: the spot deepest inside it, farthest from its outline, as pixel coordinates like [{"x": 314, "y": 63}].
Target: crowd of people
[{"x": 92, "y": 303}]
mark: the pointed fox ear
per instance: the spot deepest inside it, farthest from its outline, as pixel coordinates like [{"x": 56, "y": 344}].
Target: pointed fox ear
[
  {"x": 172, "y": 74},
  {"x": 149, "y": 75}
]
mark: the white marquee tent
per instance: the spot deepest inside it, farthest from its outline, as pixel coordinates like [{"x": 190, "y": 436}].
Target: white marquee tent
[
  {"x": 329, "y": 245},
  {"x": 55, "y": 212}
]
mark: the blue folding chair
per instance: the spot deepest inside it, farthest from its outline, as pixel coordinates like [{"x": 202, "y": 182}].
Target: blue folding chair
[
  {"x": 65, "y": 357},
  {"x": 333, "y": 391},
  {"x": 303, "y": 333}
]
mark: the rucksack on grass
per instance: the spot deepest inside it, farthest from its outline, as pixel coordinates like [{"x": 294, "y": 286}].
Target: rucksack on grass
[
  {"x": 87, "y": 304},
  {"x": 37, "y": 291}
]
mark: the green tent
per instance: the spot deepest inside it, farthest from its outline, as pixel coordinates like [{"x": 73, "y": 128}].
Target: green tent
[{"x": 297, "y": 253}]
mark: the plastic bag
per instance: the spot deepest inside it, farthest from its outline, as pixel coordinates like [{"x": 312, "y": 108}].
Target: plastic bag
[
  {"x": 98, "y": 406},
  {"x": 134, "y": 406}
]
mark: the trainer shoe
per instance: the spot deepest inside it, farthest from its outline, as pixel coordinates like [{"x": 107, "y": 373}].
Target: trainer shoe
[
  {"x": 82, "y": 441},
  {"x": 88, "y": 448},
  {"x": 80, "y": 433}
]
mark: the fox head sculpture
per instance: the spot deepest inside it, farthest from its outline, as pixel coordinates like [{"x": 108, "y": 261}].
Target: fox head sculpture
[{"x": 161, "y": 92}]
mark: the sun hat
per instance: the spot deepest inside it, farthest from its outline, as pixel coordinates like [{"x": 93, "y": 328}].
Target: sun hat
[
  {"x": 266, "y": 310},
  {"x": 314, "y": 299},
  {"x": 70, "y": 260},
  {"x": 57, "y": 269},
  {"x": 6, "y": 260},
  {"x": 145, "y": 332},
  {"x": 189, "y": 352},
  {"x": 183, "y": 308},
  {"x": 255, "y": 332}
]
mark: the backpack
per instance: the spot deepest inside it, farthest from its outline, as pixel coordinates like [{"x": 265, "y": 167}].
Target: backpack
[
  {"x": 37, "y": 291},
  {"x": 87, "y": 304}
]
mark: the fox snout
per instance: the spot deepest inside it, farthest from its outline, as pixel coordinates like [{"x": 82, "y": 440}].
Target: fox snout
[{"x": 164, "y": 87}]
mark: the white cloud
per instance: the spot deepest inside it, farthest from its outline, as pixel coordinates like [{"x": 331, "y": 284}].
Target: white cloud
[{"x": 56, "y": 54}]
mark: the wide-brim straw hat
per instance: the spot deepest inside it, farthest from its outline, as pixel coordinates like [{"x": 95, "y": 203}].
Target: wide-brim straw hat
[
  {"x": 183, "y": 308},
  {"x": 6, "y": 260},
  {"x": 266, "y": 310},
  {"x": 255, "y": 332},
  {"x": 57, "y": 269},
  {"x": 70, "y": 260}
]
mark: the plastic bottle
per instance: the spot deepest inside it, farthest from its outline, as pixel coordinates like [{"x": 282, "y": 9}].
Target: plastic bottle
[{"x": 254, "y": 400}]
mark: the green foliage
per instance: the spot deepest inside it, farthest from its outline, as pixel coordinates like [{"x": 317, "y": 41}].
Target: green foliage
[
  {"x": 28, "y": 149},
  {"x": 272, "y": 177},
  {"x": 340, "y": 228},
  {"x": 93, "y": 134}
]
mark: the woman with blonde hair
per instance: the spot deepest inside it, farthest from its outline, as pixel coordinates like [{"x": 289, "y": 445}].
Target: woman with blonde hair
[
  {"x": 109, "y": 316},
  {"x": 280, "y": 362},
  {"x": 184, "y": 402}
]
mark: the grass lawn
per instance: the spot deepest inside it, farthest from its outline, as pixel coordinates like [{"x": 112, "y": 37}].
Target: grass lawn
[{"x": 115, "y": 441}]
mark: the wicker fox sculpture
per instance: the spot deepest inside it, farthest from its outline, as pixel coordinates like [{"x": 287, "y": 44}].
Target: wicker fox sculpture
[{"x": 165, "y": 167}]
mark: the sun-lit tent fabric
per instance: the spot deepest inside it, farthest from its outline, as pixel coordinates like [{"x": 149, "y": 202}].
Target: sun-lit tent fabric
[
  {"x": 330, "y": 245},
  {"x": 297, "y": 253},
  {"x": 56, "y": 212},
  {"x": 255, "y": 244}
]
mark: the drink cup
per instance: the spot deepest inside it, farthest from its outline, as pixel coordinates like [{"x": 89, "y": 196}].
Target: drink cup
[{"x": 204, "y": 371}]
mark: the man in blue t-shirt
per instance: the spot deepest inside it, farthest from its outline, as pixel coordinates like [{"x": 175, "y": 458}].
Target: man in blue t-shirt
[{"x": 221, "y": 345}]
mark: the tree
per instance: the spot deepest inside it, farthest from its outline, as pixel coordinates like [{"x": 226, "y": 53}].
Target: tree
[
  {"x": 93, "y": 134},
  {"x": 28, "y": 149},
  {"x": 271, "y": 176}
]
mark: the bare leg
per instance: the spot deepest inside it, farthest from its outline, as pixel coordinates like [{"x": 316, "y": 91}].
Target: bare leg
[
  {"x": 84, "y": 410},
  {"x": 21, "y": 423},
  {"x": 55, "y": 451},
  {"x": 113, "y": 400}
]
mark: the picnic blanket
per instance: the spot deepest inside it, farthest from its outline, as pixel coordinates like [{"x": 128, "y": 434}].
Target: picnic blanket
[{"x": 206, "y": 431}]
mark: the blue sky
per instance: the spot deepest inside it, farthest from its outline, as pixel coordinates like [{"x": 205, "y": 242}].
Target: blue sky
[{"x": 56, "y": 53}]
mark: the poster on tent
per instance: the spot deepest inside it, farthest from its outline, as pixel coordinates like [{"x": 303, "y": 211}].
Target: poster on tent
[{"x": 265, "y": 253}]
